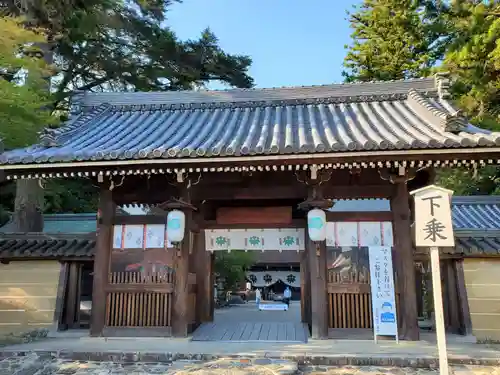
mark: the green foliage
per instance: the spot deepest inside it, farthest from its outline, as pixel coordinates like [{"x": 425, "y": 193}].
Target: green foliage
[
  {"x": 473, "y": 57},
  {"x": 118, "y": 45},
  {"x": 95, "y": 45},
  {"x": 393, "y": 39},
  {"x": 231, "y": 267},
  {"x": 23, "y": 93},
  {"x": 70, "y": 195}
]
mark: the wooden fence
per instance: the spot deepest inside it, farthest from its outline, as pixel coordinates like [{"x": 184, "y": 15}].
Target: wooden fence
[
  {"x": 349, "y": 300},
  {"x": 138, "y": 299}
]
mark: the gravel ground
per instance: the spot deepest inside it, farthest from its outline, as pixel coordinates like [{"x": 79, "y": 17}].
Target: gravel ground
[{"x": 34, "y": 365}]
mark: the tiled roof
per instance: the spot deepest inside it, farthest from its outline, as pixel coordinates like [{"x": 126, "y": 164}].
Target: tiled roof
[
  {"x": 43, "y": 246},
  {"x": 334, "y": 118},
  {"x": 62, "y": 223},
  {"x": 476, "y": 212},
  {"x": 480, "y": 243}
]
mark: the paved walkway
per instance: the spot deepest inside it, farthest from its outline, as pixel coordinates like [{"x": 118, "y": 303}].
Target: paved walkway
[
  {"x": 244, "y": 323},
  {"x": 325, "y": 352}
]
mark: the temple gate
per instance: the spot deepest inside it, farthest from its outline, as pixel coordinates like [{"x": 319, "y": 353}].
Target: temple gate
[{"x": 201, "y": 151}]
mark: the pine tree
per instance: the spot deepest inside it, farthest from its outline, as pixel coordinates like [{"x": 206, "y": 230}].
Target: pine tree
[
  {"x": 393, "y": 39},
  {"x": 111, "y": 45}
]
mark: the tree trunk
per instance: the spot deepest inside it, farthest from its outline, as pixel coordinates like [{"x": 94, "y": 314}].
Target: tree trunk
[{"x": 28, "y": 215}]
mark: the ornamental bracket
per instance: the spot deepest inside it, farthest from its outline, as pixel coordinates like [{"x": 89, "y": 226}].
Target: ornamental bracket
[
  {"x": 402, "y": 175},
  {"x": 315, "y": 197},
  {"x": 177, "y": 204}
]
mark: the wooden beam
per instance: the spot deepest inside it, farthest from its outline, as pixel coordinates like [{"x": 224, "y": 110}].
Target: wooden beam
[
  {"x": 254, "y": 215},
  {"x": 209, "y": 224},
  {"x": 359, "y": 216},
  {"x": 101, "y": 261},
  {"x": 358, "y": 191},
  {"x": 139, "y": 219},
  {"x": 316, "y": 254},
  {"x": 269, "y": 185},
  {"x": 230, "y": 193},
  {"x": 403, "y": 246},
  {"x": 463, "y": 300}
]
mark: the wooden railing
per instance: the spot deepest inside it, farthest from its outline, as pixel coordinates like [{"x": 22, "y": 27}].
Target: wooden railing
[{"x": 136, "y": 299}]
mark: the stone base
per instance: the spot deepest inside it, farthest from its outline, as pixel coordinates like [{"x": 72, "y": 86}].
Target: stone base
[{"x": 301, "y": 360}]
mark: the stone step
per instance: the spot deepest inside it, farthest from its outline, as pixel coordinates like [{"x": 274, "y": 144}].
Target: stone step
[
  {"x": 390, "y": 360},
  {"x": 33, "y": 364}
]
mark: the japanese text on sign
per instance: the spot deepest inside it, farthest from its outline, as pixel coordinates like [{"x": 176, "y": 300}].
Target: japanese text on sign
[
  {"x": 382, "y": 288},
  {"x": 433, "y": 224}
]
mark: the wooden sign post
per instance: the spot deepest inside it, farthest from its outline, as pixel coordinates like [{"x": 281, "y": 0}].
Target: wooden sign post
[{"x": 433, "y": 229}]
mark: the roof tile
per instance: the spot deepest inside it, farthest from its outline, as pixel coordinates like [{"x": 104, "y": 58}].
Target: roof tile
[{"x": 332, "y": 118}]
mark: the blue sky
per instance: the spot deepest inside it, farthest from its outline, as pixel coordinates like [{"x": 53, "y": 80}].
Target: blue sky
[{"x": 291, "y": 42}]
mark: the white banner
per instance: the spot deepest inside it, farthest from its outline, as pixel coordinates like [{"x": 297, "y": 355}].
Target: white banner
[
  {"x": 282, "y": 239},
  {"x": 261, "y": 279},
  {"x": 385, "y": 322}
]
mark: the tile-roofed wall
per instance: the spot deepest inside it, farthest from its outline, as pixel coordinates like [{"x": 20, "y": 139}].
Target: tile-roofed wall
[
  {"x": 476, "y": 221},
  {"x": 476, "y": 212},
  {"x": 62, "y": 223}
]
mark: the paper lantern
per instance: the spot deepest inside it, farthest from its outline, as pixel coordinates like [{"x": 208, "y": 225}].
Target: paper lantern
[
  {"x": 316, "y": 224},
  {"x": 176, "y": 223}
]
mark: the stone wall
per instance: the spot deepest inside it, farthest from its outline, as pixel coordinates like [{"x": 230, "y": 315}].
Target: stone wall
[
  {"x": 482, "y": 279},
  {"x": 28, "y": 293}
]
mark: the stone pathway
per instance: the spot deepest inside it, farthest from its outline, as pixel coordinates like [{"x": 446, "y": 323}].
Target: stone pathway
[{"x": 32, "y": 364}]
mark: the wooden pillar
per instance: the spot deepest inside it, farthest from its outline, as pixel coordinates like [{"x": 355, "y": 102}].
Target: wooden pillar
[
  {"x": 101, "y": 261},
  {"x": 305, "y": 289},
  {"x": 463, "y": 301},
  {"x": 403, "y": 246},
  {"x": 302, "y": 288},
  {"x": 212, "y": 289},
  {"x": 180, "y": 318},
  {"x": 316, "y": 254},
  {"x": 59, "y": 318},
  {"x": 72, "y": 295},
  {"x": 203, "y": 277},
  {"x": 453, "y": 309}
]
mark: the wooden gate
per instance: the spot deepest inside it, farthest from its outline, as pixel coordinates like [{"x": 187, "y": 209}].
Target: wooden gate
[
  {"x": 139, "y": 299},
  {"x": 349, "y": 300}
]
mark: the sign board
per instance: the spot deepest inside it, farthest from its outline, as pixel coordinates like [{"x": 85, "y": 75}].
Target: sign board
[
  {"x": 433, "y": 229},
  {"x": 433, "y": 224},
  {"x": 273, "y": 306},
  {"x": 385, "y": 321}
]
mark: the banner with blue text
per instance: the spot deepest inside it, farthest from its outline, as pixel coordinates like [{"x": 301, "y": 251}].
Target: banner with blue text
[{"x": 385, "y": 321}]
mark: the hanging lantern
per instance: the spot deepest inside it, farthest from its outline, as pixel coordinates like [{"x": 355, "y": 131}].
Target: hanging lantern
[
  {"x": 316, "y": 224},
  {"x": 176, "y": 223}
]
